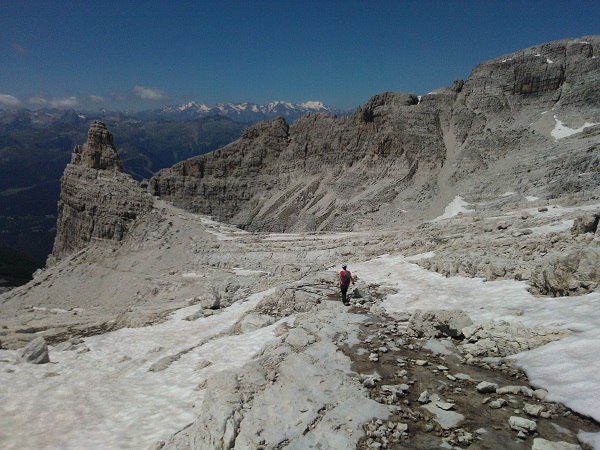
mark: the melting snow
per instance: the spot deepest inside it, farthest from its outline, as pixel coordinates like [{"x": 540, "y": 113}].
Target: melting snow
[
  {"x": 456, "y": 206},
  {"x": 107, "y": 397},
  {"x": 561, "y": 131}
]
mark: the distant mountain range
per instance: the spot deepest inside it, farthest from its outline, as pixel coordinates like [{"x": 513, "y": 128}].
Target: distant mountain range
[{"x": 241, "y": 112}]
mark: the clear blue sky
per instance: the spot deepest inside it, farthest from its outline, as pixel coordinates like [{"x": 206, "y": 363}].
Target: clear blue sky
[{"x": 145, "y": 54}]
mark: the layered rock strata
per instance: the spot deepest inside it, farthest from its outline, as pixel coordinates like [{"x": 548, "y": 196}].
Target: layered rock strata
[
  {"x": 98, "y": 201},
  {"x": 400, "y": 157}
]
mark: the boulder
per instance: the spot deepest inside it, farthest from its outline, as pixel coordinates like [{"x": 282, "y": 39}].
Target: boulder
[
  {"x": 587, "y": 223},
  {"x": 574, "y": 273},
  {"x": 499, "y": 339},
  {"x": 36, "y": 352},
  {"x": 485, "y": 387},
  {"x": 440, "y": 323}
]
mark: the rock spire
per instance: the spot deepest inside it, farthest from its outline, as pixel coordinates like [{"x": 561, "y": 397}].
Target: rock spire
[
  {"x": 99, "y": 151},
  {"x": 97, "y": 201}
]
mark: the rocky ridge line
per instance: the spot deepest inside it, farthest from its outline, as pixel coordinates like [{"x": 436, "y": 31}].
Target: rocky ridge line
[{"x": 399, "y": 158}]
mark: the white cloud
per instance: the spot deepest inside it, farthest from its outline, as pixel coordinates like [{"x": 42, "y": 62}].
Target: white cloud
[
  {"x": 94, "y": 98},
  {"x": 55, "y": 102},
  {"x": 120, "y": 96},
  {"x": 65, "y": 102},
  {"x": 147, "y": 93},
  {"x": 9, "y": 100},
  {"x": 38, "y": 101}
]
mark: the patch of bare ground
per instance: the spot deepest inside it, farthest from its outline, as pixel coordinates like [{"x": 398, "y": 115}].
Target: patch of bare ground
[{"x": 436, "y": 401}]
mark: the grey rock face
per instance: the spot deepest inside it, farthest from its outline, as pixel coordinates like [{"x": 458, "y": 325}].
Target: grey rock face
[
  {"x": 36, "y": 352},
  {"x": 399, "y": 153},
  {"x": 97, "y": 200}
]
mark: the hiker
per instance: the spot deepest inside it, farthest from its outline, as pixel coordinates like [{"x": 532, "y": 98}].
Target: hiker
[{"x": 345, "y": 280}]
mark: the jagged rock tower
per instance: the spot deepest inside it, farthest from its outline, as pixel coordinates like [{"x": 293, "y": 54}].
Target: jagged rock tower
[
  {"x": 97, "y": 200},
  {"x": 99, "y": 151}
]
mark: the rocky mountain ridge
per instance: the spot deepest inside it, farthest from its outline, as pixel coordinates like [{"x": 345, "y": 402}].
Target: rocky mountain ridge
[{"x": 400, "y": 158}]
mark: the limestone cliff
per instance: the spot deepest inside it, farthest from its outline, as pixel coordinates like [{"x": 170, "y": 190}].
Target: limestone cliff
[
  {"x": 97, "y": 200},
  {"x": 399, "y": 158}
]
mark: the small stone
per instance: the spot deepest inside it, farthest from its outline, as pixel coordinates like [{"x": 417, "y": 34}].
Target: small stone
[
  {"x": 533, "y": 410},
  {"x": 462, "y": 377},
  {"x": 421, "y": 362},
  {"x": 540, "y": 394},
  {"x": 486, "y": 387},
  {"x": 509, "y": 390},
  {"x": 445, "y": 405},
  {"x": 498, "y": 403},
  {"x": 522, "y": 425},
  {"x": 424, "y": 397}
]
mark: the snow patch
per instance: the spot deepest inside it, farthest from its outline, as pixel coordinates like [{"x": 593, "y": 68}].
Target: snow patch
[
  {"x": 456, "y": 206},
  {"x": 561, "y": 131},
  {"x": 107, "y": 397}
]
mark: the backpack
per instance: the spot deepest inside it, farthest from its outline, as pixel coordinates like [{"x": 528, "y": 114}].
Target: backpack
[{"x": 346, "y": 278}]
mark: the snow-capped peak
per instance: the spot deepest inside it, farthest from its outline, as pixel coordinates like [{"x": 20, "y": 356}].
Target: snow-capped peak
[
  {"x": 244, "y": 111},
  {"x": 317, "y": 106}
]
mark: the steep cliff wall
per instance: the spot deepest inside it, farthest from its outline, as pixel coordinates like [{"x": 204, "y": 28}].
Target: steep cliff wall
[
  {"x": 97, "y": 200},
  {"x": 399, "y": 158}
]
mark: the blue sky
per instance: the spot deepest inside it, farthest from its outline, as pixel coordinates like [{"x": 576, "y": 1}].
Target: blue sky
[{"x": 146, "y": 54}]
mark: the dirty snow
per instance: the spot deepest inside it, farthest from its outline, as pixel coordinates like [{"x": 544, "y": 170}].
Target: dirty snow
[
  {"x": 107, "y": 398},
  {"x": 456, "y": 206}
]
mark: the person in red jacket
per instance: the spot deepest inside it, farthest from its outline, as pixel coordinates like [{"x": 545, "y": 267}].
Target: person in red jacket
[{"x": 345, "y": 280}]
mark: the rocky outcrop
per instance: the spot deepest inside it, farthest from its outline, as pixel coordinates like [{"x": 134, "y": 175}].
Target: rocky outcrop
[
  {"x": 36, "y": 352},
  {"x": 97, "y": 200},
  {"x": 399, "y": 157},
  {"x": 99, "y": 151},
  {"x": 440, "y": 323},
  {"x": 569, "y": 274}
]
